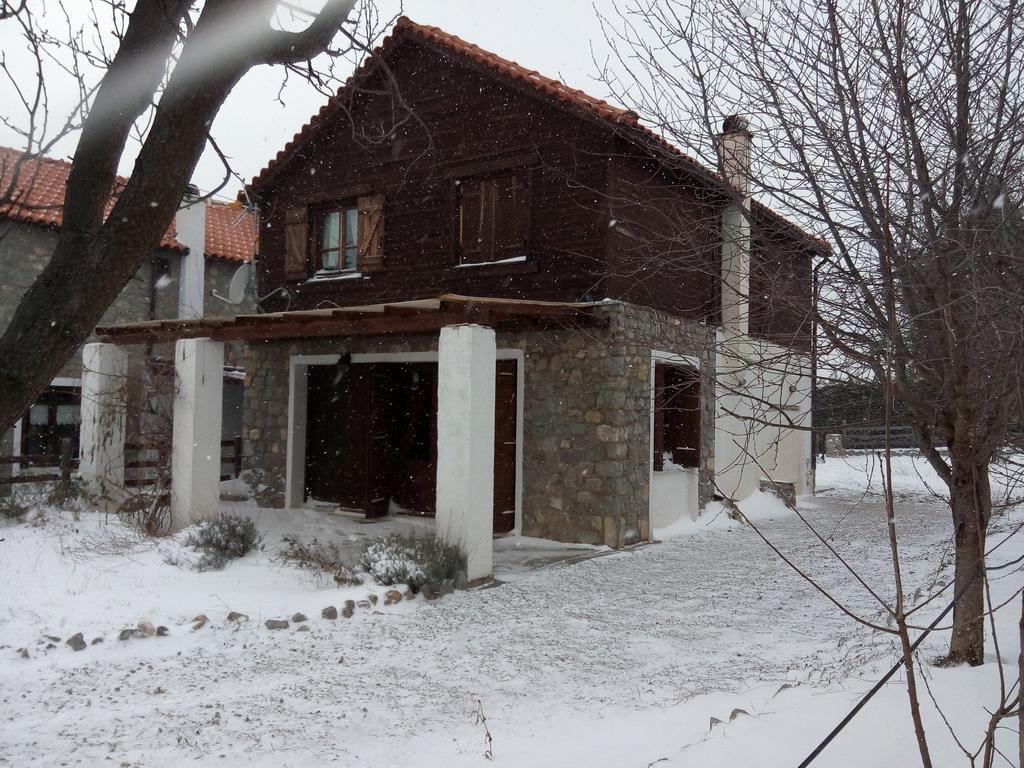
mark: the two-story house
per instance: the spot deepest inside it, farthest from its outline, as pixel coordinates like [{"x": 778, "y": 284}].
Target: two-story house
[
  {"x": 28, "y": 233},
  {"x": 633, "y": 298}
]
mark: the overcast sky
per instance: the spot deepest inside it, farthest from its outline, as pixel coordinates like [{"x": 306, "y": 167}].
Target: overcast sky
[{"x": 551, "y": 36}]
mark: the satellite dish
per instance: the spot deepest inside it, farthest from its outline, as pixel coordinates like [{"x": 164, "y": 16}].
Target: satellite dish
[{"x": 240, "y": 283}]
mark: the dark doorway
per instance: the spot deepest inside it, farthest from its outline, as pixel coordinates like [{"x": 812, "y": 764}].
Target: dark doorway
[
  {"x": 505, "y": 409},
  {"x": 411, "y": 437},
  {"x": 371, "y": 438},
  {"x": 676, "y": 416}
]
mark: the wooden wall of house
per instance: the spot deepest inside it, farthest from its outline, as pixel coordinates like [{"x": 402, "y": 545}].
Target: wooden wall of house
[
  {"x": 781, "y": 289},
  {"x": 664, "y": 252},
  {"x": 454, "y": 120},
  {"x": 664, "y": 239}
]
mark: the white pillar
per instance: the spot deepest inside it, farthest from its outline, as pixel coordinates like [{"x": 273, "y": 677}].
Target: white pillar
[
  {"x": 467, "y": 357},
  {"x": 101, "y": 439},
  {"x": 190, "y": 223},
  {"x": 735, "y": 145},
  {"x": 195, "y": 456}
]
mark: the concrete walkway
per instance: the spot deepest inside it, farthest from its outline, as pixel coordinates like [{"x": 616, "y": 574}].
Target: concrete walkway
[{"x": 514, "y": 556}]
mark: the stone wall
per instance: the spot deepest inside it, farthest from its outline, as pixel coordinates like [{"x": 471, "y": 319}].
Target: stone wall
[
  {"x": 586, "y": 423},
  {"x": 25, "y": 249}
]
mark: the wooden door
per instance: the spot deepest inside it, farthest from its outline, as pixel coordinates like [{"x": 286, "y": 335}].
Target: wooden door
[
  {"x": 371, "y": 437},
  {"x": 337, "y": 431},
  {"x": 414, "y": 437},
  {"x": 505, "y": 412},
  {"x": 380, "y": 453}
]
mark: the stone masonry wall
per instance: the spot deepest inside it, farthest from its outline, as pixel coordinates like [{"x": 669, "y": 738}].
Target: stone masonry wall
[
  {"x": 586, "y": 423},
  {"x": 25, "y": 250}
]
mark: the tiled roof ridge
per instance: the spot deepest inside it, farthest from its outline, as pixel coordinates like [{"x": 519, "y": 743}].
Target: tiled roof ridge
[{"x": 532, "y": 77}]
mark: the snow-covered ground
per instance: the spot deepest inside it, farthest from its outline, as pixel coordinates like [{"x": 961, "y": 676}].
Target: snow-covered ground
[{"x": 617, "y": 660}]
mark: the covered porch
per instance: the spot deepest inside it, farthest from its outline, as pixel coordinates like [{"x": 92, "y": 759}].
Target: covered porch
[{"x": 435, "y": 434}]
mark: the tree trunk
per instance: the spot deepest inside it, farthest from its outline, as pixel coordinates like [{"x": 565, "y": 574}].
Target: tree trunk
[
  {"x": 1020, "y": 689},
  {"x": 98, "y": 253},
  {"x": 971, "y": 505}
]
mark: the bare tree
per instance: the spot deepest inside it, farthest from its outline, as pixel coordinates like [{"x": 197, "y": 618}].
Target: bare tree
[
  {"x": 161, "y": 80},
  {"x": 896, "y": 130}
]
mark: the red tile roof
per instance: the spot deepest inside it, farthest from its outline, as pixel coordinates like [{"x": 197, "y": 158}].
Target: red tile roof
[
  {"x": 623, "y": 121},
  {"x": 38, "y": 198},
  {"x": 230, "y": 232},
  {"x": 553, "y": 88}
]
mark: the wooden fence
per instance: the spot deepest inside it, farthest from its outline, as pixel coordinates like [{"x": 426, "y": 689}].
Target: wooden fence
[
  {"x": 149, "y": 457},
  {"x": 139, "y": 459},
  {"x": 64, "y": 463},
  {"x": 867, "y": 438},
  {"x": 873, "y": 438}
]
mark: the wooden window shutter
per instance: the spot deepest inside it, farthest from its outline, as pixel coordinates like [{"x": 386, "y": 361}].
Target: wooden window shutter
[
  {"x": 296, "y": 244},
  {"x": 371, "y": 234},
  {"x": 659, "y": 418},
  {"x": 471, "y": 216},
  {"x": 521, "y": 208},
  {"x": 488, "y": 206},
  {"x": 511, "y": 211}
]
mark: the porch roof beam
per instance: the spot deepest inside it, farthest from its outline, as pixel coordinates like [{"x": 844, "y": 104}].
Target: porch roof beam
[{"x": 501, "y": 315}]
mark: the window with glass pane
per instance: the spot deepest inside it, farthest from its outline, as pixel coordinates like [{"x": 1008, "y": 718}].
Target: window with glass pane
[
  {"x": 54, "y": 416},
  {"x": 36, "y": 430},
  {"x": 351, "y": 230},
  {"x": 330, "y": 237},
  {"x": 339, "y": 237}
]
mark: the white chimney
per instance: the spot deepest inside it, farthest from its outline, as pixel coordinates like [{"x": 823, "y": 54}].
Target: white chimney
[
  {"x": 734, "y": 146},
  {"x": 191, "y": 226}
]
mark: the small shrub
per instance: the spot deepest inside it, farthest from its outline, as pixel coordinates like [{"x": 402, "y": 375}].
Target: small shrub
[
  {"x": 222, "y": 540},
  {"x": 148, "y": 512},
  {"x": 411, "y": 560},
  {"x": 11, "y": 508},
  {"x": 317, "y": 555},
  {"x": 64, "y": 494}
]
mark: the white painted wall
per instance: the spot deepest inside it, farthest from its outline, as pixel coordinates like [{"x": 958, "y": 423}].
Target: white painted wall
[
  {"x": 735, "y": 146},
  {"x": 762, "y": 389},
  {"x": 467, "y": 356},
  {"x": 101, "y": 439},
  {"x": 673, "y": 495},
  {"x": 195, "y": 457}
]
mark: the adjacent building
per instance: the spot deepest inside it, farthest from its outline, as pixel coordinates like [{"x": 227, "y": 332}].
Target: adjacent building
[{"x": 223, "y": 234}]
